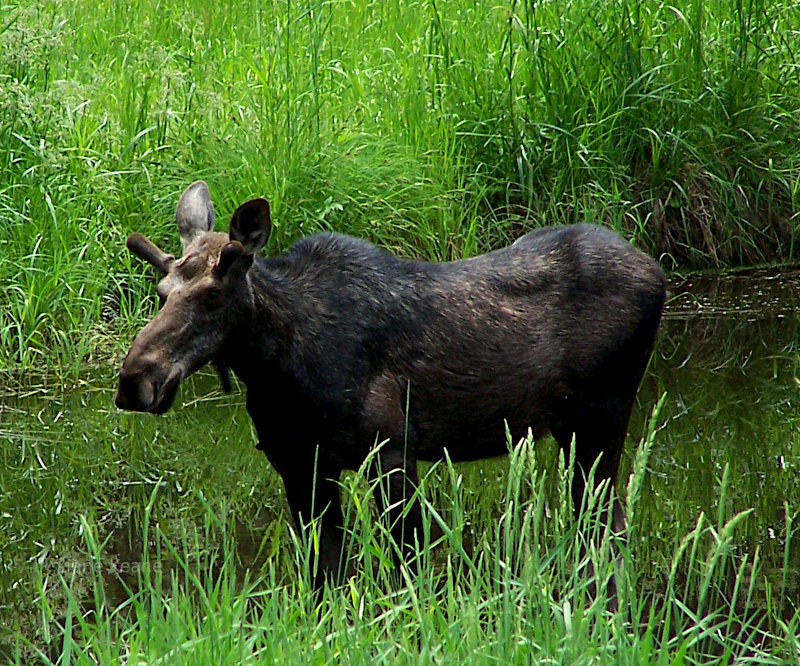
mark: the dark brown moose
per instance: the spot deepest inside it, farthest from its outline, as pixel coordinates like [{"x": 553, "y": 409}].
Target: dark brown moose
[{"x": 342, "y": 345}]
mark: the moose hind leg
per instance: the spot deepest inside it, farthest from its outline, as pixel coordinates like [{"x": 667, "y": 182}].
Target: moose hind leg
[
  {"x": 604, "y": 436},
  {"x": 598, "y": 433}
]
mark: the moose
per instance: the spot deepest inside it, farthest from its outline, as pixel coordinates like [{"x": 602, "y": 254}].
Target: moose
[{"x": 342, "y": 344}]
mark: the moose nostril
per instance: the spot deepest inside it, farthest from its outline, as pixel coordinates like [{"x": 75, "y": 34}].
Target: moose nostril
[{"x": 135, "y": 393}]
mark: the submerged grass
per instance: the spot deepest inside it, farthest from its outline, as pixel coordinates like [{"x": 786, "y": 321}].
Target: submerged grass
[
  {"x": 515, "y": 591},
  {"x": 436, "y": 129}
]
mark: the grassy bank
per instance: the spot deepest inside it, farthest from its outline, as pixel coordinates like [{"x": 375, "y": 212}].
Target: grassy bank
[{"x": 437, "y": 129}]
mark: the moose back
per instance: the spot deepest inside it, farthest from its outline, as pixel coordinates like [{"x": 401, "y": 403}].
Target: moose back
[{"x": 341, "y": 345}]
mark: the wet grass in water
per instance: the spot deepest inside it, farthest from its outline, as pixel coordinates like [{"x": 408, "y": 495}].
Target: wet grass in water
[{"x": 515, "y": 597}]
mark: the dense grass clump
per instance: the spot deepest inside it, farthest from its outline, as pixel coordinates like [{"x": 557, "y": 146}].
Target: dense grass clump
[{"x": 436, "y": 129}]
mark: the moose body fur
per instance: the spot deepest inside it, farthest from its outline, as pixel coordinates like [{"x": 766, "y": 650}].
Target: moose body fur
[{"x": 341, "y": 345}]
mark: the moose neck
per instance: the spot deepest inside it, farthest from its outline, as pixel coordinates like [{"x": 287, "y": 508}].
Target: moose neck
[{"x": 267, "y": 323}]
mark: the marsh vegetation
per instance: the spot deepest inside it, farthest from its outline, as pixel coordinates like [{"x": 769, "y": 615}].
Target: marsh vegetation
[
  {"x": 438, "y": 130},
  {"x": 169, "y": 537}
]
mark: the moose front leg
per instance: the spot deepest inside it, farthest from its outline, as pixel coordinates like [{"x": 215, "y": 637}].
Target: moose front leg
[
  {"x": 396, "y": 484},
  {"x": 383, "y": 417},
  {"x": 313, "y": 495}
]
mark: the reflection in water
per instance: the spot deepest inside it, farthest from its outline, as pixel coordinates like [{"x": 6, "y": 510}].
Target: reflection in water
[{"x": 728, "y": 360}]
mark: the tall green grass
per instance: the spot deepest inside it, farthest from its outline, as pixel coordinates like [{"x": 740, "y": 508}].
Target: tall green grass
[
  {"x": 517, "y": 594},
  {"x": 436, "y": 129}
]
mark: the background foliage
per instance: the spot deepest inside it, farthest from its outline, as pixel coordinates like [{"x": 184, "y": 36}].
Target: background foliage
[{"x": 436, "y": 129}]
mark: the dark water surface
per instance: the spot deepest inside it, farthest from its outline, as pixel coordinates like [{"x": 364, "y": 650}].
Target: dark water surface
[{"x": 727, "y": 359}]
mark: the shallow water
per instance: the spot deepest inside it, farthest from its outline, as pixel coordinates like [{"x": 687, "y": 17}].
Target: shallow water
[{"x": 727, "y": 359}]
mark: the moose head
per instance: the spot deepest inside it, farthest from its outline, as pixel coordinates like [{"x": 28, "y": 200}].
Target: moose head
[{"x": 205, "y": 294}]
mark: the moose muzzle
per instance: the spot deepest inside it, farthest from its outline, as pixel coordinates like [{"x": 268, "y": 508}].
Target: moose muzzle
[{"x": 145, "y": 387}]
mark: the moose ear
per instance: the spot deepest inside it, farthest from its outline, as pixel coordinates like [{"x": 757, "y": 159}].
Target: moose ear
[
  {"x": 195, "y": 212},
  {"x": 251, "y": 224}
]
